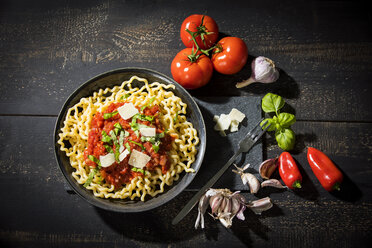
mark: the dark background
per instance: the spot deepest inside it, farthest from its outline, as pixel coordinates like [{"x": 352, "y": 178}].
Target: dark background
[{"x": 323, "y": 50}]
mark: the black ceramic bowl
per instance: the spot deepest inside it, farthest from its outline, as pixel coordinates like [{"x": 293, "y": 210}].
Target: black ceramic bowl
[{"x": 110, "y": 79}]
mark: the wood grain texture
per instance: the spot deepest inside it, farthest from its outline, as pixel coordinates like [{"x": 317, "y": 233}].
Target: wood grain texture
[
  {"x": 49, "y": 54},
  {"x": 39, "y": 212},
  {"x": 323, "y": 50}
]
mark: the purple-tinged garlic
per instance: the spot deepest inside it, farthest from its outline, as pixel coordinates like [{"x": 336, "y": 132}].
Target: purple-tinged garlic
[
  {"x": 268, "y": 167},
  {"x": 215, "y": 202},
  {"x": 263, "y": 71},
  {"x": 202, "y": 207},
  {"x": 248, "y": 178},
  {"x": 260, "y": 205},
  {"x": 229, "y": 205},
  {"x": 273, "y": 183}
]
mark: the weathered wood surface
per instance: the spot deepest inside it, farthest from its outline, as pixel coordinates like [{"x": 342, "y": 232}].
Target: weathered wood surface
[{"x": 324, "y": 51}]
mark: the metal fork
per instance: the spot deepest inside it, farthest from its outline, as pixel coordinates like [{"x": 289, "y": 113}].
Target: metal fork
[{"x": 244, "y": 146}]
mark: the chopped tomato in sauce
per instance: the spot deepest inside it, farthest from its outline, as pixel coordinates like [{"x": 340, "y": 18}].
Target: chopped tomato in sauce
[{"x": 120, "y": 173}]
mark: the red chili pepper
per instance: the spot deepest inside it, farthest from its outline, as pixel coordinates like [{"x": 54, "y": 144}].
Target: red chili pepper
[
  {"x": 289, "y": 171},
  {"x": 329, "y": 176}
]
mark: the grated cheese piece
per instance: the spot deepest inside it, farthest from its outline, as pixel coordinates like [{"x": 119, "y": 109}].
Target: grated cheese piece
[
  {"x": 234, "y": 127},
  {"x": 236, "y": 115},
  {"x": 223, "y": 123},
  {"x": 148, "y": 131},
  {"x": 107, "y": 160},
  {"x": 127, "y": 111},
  {"x": 123, "y": 155},
  {"x": 138, "y": 159}
]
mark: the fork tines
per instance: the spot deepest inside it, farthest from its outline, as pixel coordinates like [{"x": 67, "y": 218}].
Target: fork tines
[{"x": 256, "y": 132}]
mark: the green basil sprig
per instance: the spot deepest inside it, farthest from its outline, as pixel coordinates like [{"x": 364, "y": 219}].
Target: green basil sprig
[
  {"x": 147, "y": 105},
  {"x": 280, "y": 122},
  {"x": 109, "y": 115}
]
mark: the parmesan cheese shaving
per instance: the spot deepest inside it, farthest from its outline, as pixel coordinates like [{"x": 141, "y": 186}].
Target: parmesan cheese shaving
[
  {"x": 127, "y": 111},
  {"x": 232, "y": 120},
  {"x": 148, "y": 131},
  {"x": 107, "y": 160},
  {"x": 123, "y": 155},
  {"x": 138, "y": 159}
]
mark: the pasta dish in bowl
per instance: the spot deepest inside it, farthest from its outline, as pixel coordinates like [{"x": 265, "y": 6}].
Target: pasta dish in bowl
[{"x": 130, "y": 140}]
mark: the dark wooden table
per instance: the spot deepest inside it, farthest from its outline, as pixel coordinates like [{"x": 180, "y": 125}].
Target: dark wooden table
[{"x": 324, "y": 51}]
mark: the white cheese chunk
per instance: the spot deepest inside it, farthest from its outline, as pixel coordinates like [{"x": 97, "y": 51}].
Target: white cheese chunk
[
  {"x": 234, "y": 127},
  {"x": 127, "y": 111},
  {"x": 223, "y": 123},
  {"x": 107, "y": 160},
  {"x": 138, "y": 159},
  {"x": 123, "y": 155},
  {"x": 236, "y": 115},
  {"x": 148, "y": 131}
]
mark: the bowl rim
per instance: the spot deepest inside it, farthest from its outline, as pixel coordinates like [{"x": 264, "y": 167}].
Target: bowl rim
[{"x": 96, "y": 201}]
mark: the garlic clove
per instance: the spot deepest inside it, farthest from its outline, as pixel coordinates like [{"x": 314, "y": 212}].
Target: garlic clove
[
  {"x": 215, "y": 202},
  {"x": 240, "y": 214},
  {"x": 226, "y": 222},
  {"x": 260, "y": 205},
  {"x": 268, "y": 167},
  {"x": 235, "y": 206},
  {"x": 202, "y": 208},
  {"x": 253, "y": 183},
  {"x": 227, "y": 208},
  {"x": 273, "y": 183}
]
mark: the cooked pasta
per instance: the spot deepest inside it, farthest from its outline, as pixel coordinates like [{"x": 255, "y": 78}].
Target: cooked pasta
[{"x": 73, "y": 138}]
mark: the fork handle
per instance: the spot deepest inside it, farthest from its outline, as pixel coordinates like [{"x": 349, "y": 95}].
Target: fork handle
[{"x": 209, "y": 184}]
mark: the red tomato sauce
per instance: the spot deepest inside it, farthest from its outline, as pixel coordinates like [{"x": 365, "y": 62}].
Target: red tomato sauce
[{"x": 121, "y": 173}]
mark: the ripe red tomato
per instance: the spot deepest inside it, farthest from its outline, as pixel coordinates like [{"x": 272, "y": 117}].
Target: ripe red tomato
[
  {"x": 230, "y": 56},
  {"x": 191, "y": 75},
  {"x": 206, "y": 27}
]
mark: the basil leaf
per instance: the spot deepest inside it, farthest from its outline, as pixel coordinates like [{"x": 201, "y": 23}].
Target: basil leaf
[
  {"x": 128, "y": 147},
  {"x": 121, "y": 139},
  {"x": 118, "y": 128},
  {"x": 176, "y": 117},
  {"x": 109, "y": 115},
  {"x": 109, "y": 149},
  {"x": 94, "y": 159},
  {"x": 160, "y": 135},
  {"x": 134, "y": 169},
  {"x": 149, "y": 139},
  {"x": 286, "y": 138},
  {"x": 117, "y": 146},
  {"x": 285, "y": 120},
  {"x": 269, "y": 121},
  {"x": 138, "y": 144},
  {"x": 125, "y": 96},
  {"x": 92, "y": 173},
  {"x": 272, "y": 103},
  {"x": 117, "y": 125},
  {"x": 105, "y": 137},
  {"x": 155, "y": 148},
  {"x": 150, "y": 102}
]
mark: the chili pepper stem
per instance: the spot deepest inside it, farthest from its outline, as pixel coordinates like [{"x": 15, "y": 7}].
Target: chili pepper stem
[{"x": 297, "y": 185}]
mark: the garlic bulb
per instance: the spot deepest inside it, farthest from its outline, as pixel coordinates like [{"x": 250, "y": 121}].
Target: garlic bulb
[
  {"x": 225, "y": 205},
  {"x": 263, "y": 71}
]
